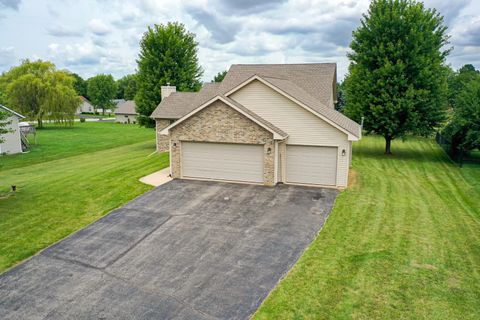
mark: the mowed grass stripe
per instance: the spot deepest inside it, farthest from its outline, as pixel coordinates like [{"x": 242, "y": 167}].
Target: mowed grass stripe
[
  {"x": 57, "y": 141},
  {"x": 56, "y": 198},
  {"x": 401, "y": 244}
]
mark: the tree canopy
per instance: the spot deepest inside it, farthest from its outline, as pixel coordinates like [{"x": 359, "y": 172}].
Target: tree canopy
[
  {"x": 127, "y": 87},
  {"x": 397, "y": 76},
  {"x": 340, "y": 104},
  {"x": 80, "y": 85},
  {"x": 101, "y": 91},
  {"x": 463, "y": 129},
  {"x": 40, "y": 91},
  {"x": 168, "y": 54},
  {"x": 457, "y": 81},
  {"x": 219, "y": 76}
]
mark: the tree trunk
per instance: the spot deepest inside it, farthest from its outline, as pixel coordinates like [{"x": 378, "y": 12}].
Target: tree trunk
[
  {"x": 388, "y": 143},
  {"x": 40, "y": 123}
]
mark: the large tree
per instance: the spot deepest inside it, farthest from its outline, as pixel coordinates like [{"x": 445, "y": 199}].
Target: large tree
[
  {"x": 80, "y": 85},
  {"x": 168, "y": 54},
  {"x": 397, "y": 75},
  {"x": 463, "y": 128},
  {"x": 127, "y": 87},
  {"x": 101, "y": 91},
  {"x": 40, "y": 91}
]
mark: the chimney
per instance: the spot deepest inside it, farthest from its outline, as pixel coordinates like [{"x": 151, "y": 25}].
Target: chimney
[{"x": 167, "y": 90}]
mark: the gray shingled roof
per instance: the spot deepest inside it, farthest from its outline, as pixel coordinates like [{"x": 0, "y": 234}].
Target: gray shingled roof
[
  {"x": 178, "y": 104},
  {"x": 311, "y": 83},
  {"x": 128, "y": 107},
  {"x": 314, "y": 78}
]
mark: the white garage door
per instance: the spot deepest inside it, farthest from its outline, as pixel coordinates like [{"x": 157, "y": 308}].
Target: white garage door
[
  {"x": 221, "y": 161},
  {"x": 312, "y": 165}
]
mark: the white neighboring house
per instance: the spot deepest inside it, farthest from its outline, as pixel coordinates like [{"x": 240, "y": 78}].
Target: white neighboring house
[
  {"x": 126, "y": 112},
  {"x": 85, "y": 107},
  {"x": 13, "y": 141}
]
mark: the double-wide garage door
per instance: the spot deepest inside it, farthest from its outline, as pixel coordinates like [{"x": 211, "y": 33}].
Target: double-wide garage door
[
  {"x": 311, "y": 165},
  {"x": 222, "y": 161}
]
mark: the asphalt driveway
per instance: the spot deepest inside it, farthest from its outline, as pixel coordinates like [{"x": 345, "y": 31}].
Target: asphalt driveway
[{"x": 185, "y": 250}]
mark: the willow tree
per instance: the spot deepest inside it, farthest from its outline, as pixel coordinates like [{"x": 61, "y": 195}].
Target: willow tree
[
  {"x": 397, "y": 77},
  {"x": 40, "y": 91}
]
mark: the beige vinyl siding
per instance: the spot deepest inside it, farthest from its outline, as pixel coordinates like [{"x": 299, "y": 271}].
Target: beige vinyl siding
[
  {"x": 12, "y": 143},
  {"x": 303, "y": 127},
  {"x": 222, "y": 161}
]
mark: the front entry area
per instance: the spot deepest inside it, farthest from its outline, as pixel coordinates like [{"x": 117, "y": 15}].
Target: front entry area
[
  {"x": 311, "y": 165},
  {"x": 222, "y": 161}
]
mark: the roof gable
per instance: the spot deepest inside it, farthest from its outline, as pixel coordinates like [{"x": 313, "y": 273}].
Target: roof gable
[
  {"x": 291, "y": 92},
  {"x": 278, "y": 134}
]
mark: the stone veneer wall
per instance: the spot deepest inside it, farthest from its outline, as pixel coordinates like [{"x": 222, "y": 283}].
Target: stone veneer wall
[
  {"x": 162, "y": 140},
  {"x": 220, "y": 123}
]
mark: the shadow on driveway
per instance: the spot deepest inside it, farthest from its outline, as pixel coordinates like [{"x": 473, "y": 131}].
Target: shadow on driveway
[{"x": 185, "y": 250}]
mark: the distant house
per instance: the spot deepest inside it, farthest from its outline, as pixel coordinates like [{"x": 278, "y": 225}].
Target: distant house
[
  {"x": 85, "y": 107},
  {"x": 117, "y": 103},
  {"x": 126, "y": 112},
  {"x": 13, "y": 140}
]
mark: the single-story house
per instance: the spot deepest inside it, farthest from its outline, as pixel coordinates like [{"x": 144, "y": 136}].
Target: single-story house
[
  {"x": 126, "y": 112},
  {"x": 12, "y": 141},
  {"x": 263, "y": 124},
  {"x": 116, "y": 103},
  {"x": 85, "y": 107}
]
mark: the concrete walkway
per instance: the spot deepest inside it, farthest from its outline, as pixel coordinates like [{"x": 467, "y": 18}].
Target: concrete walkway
[{"x": 157, "y": 178}]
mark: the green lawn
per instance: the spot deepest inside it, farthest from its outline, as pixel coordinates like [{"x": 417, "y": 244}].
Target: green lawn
[
  {"x": 82, "y": 183},
  {"x": 56, "y": 142},
  {"x": 402, "y": 243}
]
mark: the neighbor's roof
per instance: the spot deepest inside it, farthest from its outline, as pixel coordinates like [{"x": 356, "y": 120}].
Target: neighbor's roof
[
  {"x": 128, "y": 107},
  {"x": 11, "y": 111},
  {"x": 118, "y": 101},
  {"x": 312, "y": 84}
]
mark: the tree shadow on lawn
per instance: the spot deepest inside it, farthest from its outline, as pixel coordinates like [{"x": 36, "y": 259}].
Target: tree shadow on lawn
[{"x": 405, "y": 151}]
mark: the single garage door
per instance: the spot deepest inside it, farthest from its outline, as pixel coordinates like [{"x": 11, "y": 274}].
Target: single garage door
[
  {"x": 311, "y": 165},
  {"x": 222, "y": 161}
]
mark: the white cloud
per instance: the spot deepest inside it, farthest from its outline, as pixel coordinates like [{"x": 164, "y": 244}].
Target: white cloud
[
  {"x": 99, "y": 27},
  {"x": 228, "y": 31}
]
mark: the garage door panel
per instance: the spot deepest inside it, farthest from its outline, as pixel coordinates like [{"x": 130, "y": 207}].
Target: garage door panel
[
  {"x": 222, "y": 161},
  {"x": 311, "y": 165}
]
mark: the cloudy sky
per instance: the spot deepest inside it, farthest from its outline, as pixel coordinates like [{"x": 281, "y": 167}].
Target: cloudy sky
[{"x": 90, "y": 37}]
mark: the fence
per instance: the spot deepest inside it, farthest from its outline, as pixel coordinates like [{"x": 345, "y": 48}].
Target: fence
[{"x": 457, "y": 155}]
